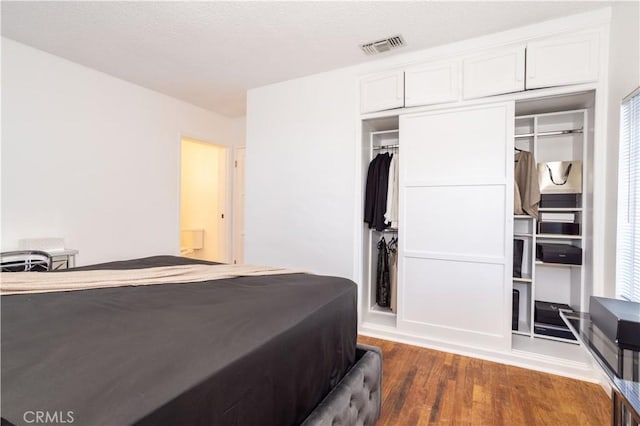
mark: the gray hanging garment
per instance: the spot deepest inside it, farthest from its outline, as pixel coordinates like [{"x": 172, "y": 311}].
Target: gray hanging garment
[{"x": 383, "y": 283}]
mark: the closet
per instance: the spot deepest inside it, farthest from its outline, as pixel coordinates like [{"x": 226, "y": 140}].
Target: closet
[
  {"x": 457, "y": 225},
  {"x": 380, "y": 137},
  {"x": 554, "y": 130},
  {"x": 454, "y": 246}
]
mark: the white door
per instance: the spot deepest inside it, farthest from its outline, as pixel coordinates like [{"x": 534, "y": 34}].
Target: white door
[
  {"x": 456, "y": 203},
  {"x": 432, "y": 83},
  {"x": 559, "y": 61},
  {"x": 382, "y": 91},
  {"x": 238, "y": 206},
  {"x": 494, "y": 72}
]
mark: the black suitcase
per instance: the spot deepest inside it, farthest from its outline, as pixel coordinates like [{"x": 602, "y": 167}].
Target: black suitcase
[
  {"x": 549, "y": 312},
  {"x": 559, "y": 253},
  {"x": 547, "y": 321}
]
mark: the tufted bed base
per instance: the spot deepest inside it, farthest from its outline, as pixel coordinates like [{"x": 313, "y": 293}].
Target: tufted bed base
[{"x": 357, "y": 399}]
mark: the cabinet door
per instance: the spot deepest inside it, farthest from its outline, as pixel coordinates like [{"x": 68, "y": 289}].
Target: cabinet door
[
  {"x": 456, "y": 203},
  {"x": 494, "y": 73},
  {"x": 382, "y": 91},
  {"x": 563, "y": 60},
  {"x": 432, "y": 83}
]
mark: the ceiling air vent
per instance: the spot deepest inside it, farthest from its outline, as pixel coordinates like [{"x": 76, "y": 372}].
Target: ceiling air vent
[{"x": 383, "y": 45}]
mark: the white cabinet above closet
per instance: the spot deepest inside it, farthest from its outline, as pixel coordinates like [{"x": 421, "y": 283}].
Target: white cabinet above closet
[
  {"x": 493, "y": 73},
  {"x": 432, "y": 83},
  {"x": 555, "y": 61},
  {"x": 564, "y": 60},
  {"x": 382, "y": 91}
]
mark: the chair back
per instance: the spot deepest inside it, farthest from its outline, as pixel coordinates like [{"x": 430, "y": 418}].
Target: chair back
[{"x": 25, "y": 261}]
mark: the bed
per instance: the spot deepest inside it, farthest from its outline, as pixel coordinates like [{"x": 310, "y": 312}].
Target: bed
[{"x": 268, "y": 350}]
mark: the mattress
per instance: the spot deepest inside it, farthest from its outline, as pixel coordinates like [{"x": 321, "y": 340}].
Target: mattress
[{"x": 250, "y": 350}]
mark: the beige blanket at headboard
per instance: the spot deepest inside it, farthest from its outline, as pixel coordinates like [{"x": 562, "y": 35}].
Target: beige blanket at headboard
[{"x": 43, "y": 282}]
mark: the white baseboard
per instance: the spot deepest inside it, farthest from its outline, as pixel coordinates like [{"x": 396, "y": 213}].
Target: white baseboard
[{"x": 585, "y": 371}]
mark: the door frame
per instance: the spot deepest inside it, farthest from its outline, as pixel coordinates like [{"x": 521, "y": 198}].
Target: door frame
[{"x": 237, "y": 253}]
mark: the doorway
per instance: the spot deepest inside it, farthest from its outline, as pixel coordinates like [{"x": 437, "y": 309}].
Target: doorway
[{"x": 203, "y": 192}]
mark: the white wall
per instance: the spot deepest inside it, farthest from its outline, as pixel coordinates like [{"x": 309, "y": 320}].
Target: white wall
[
  {"x": 92, "y": 158},
  {"x": 624, "y": 77},
  {"x": 300, "y": 174}
]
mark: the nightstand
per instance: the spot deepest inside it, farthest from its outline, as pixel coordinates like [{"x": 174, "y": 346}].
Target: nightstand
[{"x": 63, "y": 259}]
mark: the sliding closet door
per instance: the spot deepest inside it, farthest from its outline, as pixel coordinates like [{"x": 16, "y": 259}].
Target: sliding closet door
[{"x": 456, "y": 225}]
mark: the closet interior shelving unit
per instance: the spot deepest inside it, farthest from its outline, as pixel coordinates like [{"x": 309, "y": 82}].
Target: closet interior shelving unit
[
  {"x": 379, "y": 136},
  {"x": 561, "y": 133}
]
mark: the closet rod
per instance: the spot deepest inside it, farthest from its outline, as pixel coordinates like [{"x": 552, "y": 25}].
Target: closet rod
[
  {"x": 560, "y": 132},
  {"x": 375, "y": 148},
  {"x": 554, "y": 133}
]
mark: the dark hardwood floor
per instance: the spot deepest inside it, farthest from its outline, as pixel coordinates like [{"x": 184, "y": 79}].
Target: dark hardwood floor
[{"x": 424, "y": 387}]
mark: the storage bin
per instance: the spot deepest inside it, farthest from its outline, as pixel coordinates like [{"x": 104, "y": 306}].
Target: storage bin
[{"x": 559, "y": 253}]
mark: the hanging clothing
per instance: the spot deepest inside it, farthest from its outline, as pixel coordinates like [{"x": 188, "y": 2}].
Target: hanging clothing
[
  {"x": 383, "y": 283},
  {"x": 391, "y": 213},
  {"x": 517, "y": 200},
  {"x": 375, "y": 202},
  {"x": 526, "y": 183},
  {"x": 370, "y": 191},
  {"x": 393, "y": 273}
]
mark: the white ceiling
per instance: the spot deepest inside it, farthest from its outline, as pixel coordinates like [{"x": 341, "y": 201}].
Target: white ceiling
[{"x": 210, "y": 53}]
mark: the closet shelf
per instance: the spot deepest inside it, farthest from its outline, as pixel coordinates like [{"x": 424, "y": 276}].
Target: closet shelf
[
  {"x": 522, "y": 216},
  {"x": 523, "y": 235},
  {"x": 557, "y": 339},
  {"x": 560, "y": 209},
  {"x": 558, "y": 265},
  {"x": 380, "y": 310},
  {"x": 559, "y": 236},
  {"x": 385, "y": 132},
  {"x": 392, "y": 230}
]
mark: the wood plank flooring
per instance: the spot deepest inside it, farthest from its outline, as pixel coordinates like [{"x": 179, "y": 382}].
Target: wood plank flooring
[{"x": 428, "y": 387}]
